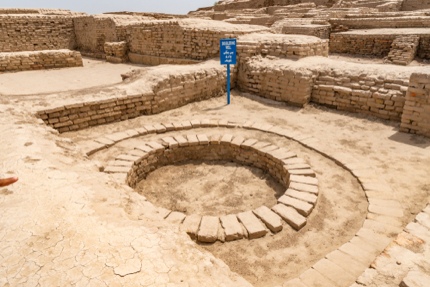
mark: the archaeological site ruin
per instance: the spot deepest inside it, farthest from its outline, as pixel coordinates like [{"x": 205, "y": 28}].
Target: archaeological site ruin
[{"x": 133, "y": 170}]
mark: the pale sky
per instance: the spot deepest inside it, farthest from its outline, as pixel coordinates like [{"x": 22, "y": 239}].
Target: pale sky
[{"x": 100, "y": 6}]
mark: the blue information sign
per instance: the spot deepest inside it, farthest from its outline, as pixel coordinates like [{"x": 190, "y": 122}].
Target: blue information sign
[
  {"x": 227, "y": 55},
  {"x": 228, "y": 51}
]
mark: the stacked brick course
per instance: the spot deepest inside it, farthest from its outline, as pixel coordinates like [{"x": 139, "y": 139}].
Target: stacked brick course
[
  {"x": 116, "y": 52},
  {"x": 375, "y": 44},
  {"x": 349, "y": 90},
  {"x": 356, "y": 92},
  {"x": 282, "y": 46},
  {"x": 35, "y": 33},
  {"x": 403, "y": 50},
  {"x": 22, "y": 61},
  {"x": 169, "y": 91},
  {"x": 276, "y": 82},
  {"x": 180, "y": 40},
  {"x": 416, "y": 115},
  {"x": 380, "y": 22},
  {"x": 320, "y": 31}
]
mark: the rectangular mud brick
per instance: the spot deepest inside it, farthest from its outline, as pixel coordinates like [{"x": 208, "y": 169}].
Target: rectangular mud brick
[
  {"x": 252, "y": 224},
  {"x": 226, "y": 139},
  {"x": 238, "y": 140},
  {"x": 304, "y": 187},
  {"x": 340, "y": 258},
  {"x": 156, "y": 146},
  {"x": 334, "y": 272},
  {"x": 260, "y": 145},
  {"x": 304, "y": 179},
  {"x": 301, "y": 206},
  {"x": 170, "y": 142},
  {"x": 305, "y": 196},
  {"x": 293, "y": 160},
  {"x": 192, "y": 140},
  {"x": 249, "y": 143},
  {"x": 159, "y": 128},
  {"x": 304, "y": 172},
  {"x": 191, "y": 225},
  {"x": 298, "y": 166},
  {"x": 208, "y": 231},
  {"x": 271, "y": 219},
  {"x": 232, "y": 227},
  {"x": 311, "y": 277},
  {"x": 181, "y": 140},
  {"x": 196, "y": 123},
  {"x": 203, "y": 139},
  {"x": 290, "y": 215},
  {"x": 215, "y": 139}
]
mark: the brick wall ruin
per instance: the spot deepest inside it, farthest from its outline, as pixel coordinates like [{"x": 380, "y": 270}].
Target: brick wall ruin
[
  {"x": 184, "y": 85},
  {"x": 180, "y": 40},
  {"x": 23, "y": 61},
  {"x": 379, "y": 96},
  {"x": 374, "y": 45},
  {"x": 35, "y": 33},
  {"x": 282, "y": 46},
  {"x": 416, "y": 115},
  {"x": 275, "y": 81},
  {"x": 349, "y": 89}
]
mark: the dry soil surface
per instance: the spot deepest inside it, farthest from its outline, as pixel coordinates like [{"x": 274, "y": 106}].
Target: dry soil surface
[{"x": 66, "y": 223}]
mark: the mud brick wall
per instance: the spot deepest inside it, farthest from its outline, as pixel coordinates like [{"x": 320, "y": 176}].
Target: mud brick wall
[
  {"x": 416, "y": 115},
  {"x": 281, "y": 49},
  {"x": 208, "y": 151},
  {"x": 23, "y": 61},
  {"x": 93, "y": 32},
  {"x": 385, "y": 22},
  {"x": 411, "y": 5},
  {"x": 116, "y": 52},
  {"x": 376, "y": 45},
  {"x": 369, "y": 94},
  {"x": 35, "y": 33},
  {"x": 168, "y": 39},
  {"x": 239, "y": 5},
  {"x": 320, "y": 31},
  {"x": 168, "y": 92},
  {"x": 424, "y": 48},
  {"x": 403, "y": 50},
  {"x": 276, "y": 82}
]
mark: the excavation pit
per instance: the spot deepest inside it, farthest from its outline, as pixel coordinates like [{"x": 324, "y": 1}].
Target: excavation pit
[{"x": 290, "y": 172}]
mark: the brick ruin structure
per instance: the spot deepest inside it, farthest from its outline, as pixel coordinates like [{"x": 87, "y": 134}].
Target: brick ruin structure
[{"x": 287, "y": 51}]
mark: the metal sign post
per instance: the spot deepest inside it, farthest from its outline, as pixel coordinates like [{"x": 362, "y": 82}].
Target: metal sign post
[{"x": 228, "y": 57}]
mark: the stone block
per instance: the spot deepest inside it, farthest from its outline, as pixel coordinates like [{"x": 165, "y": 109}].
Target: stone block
[
  {"x": 191, "y": 225},
  {"x": 290, "y": 215},
  {"x": 208, "y": 230},
  {"x": 252, "y": 224},
  {"x": 232, "y": 227},
  {"x": 271, "y": 219},
  {"x": 301, "y": 206}
]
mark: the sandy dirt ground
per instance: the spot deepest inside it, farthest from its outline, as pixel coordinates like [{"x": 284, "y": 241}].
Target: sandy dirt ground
[{"x": 67, "y": 222}]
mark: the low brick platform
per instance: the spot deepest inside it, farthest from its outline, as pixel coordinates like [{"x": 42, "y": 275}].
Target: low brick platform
[
  {"x": 38, "y": 60},
  {"x": 403, "y": 50}
]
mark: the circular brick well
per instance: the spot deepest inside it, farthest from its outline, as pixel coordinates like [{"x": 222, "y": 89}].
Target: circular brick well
[{"x": 292, "y": 208}]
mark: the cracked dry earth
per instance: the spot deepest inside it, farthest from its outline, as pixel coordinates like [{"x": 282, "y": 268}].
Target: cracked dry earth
[{"x": 66, "y": 223}]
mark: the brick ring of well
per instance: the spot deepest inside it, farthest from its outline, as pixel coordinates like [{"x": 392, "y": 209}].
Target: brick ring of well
[{"x": 293, "y": 207}]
